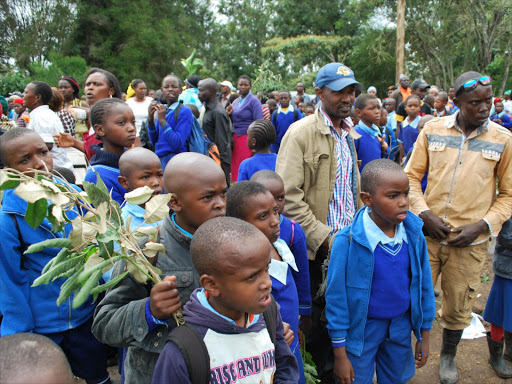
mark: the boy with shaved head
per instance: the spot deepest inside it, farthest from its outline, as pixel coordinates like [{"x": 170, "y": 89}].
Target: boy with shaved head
[{"x": 140, "y": 316}]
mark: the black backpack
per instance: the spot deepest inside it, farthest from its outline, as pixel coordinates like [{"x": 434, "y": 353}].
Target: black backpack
[{"x": 194, "y": 351}]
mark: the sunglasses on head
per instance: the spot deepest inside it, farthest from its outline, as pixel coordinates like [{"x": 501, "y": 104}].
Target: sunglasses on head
[{"x": 469, "y": 85}]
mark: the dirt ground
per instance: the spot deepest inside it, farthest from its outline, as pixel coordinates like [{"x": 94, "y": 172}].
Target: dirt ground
[{"x": 472, "y": 355}]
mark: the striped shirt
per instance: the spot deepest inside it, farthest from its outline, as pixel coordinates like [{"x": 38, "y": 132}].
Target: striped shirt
[{"x": 341, "y": 205}]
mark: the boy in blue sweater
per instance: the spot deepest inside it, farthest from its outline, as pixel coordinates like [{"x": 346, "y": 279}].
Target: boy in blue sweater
[
  {"x": 34, "y": 309},
  {"x": 379, "y": 284},
  {"x": 285, "y": 116},
  {"x": 114, "y": 123},
  {"x": 252, "y": 202},
  {"x": 170, "y": 130},
  {"x": 372, "y": 143}
]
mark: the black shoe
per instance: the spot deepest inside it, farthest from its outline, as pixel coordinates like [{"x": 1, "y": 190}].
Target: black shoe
[
  {"x": 508, "y": 346},
  {"x": 447, "y": 369},
  {"x": 496, "y": 358}
]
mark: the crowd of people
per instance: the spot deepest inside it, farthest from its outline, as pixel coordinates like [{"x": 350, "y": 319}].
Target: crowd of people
[{"x": 324, "y": 219}]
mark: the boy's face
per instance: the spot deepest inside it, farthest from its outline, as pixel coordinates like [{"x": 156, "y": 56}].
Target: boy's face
[
  {"x": 390, "y": 201},
  {"x": 201, "y": 197},
  {"x": 498, "y": 107},
  {"x": 262, "y": 211},
  {"x": 148, "y": 173},
  {"x": 383, "y": 118},
  {"x": 412, "y": 108},
  {"x": 276, "y": 188},
  {"x": 301, "y": 107},
  {"x": 244, "y": 284},
  {"x": 310, "y": 111},
  {"x": 370, "y": 114},
  {"x": 439, "y": 104},
  {"x": 284, "y": 99},
  {"x": 390, "y": 105},
  {"x": 170, "y": 90},
  {"x": 451, "y": 93},
  {"x": 28, "y": 152},
  {"x": 118, "y": 129}
]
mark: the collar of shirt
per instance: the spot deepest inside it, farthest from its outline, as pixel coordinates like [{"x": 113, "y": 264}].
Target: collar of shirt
[
  {"x": 347, "y": 124},
  {"x": 186, "y": 233},
  {"x": 135, "y": 210},
  {"x": 241, "y": 100},
  {"x": 373, "y": 131},
  {"x": 289, "y": 109},
  {"x": 211, "y": 106},
  {"x": 375, "y": 235},
  {"x": 413, "y": 123},
  {"x": 451, "y": 122},
  {"x": 279, "y": 269},
  {"x": 203, "y": 300}
]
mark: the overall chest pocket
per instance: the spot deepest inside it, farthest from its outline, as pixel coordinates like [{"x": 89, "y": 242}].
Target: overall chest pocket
[
  {"x": 319, "y": 167},
  {"x": 486, "y": 163}
]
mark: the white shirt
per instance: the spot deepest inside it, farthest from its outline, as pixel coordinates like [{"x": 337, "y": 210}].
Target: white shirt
[
  {"x": 140, "y": 110},
  {"x": 46, "y": 123}
]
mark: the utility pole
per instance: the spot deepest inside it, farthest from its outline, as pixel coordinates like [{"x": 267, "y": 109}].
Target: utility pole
[{"x": 400, "y": 38}]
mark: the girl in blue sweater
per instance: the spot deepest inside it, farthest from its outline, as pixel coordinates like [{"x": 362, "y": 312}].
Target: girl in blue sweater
[
  {"x": 169, "y": 125},
  {"x": 114, "y": 123},
  {"x": 379, "y": 284}
]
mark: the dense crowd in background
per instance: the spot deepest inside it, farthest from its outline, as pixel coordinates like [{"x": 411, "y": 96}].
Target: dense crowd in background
[{"x": 316, "y": 185}]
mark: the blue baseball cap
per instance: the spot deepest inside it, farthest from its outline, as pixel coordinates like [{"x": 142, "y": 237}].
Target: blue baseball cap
[{"x": 336, "y": 76}]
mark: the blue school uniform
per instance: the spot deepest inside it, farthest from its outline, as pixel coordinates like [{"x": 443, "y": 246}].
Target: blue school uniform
[
  {"x": 285, "y": 293},
  {"x": 282, "y": 121},
  {"x": 107, "y": 166},
  {"x": 368, "y": 146},
  {"x": 256, "y": 163},
  {"x": 409, "y": 133},
  {"x": 378, "y": 291}
]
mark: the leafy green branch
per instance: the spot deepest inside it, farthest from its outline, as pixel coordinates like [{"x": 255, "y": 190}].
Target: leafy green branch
[{"x": 99, "y": 236}]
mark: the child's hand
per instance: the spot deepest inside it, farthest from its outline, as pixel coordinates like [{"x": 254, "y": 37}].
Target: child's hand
[
  {"x": 161, "y": 110},
  {"x": 420, "y": 358},
  {"x": 288, "y": 333},
  {"x": 383, "y": 143},
  {"x": 151, "y": 112},
  {"x": 343, "y": 370},
  {"x": 164, "y": 298},
  {"x": 64, "y": 140}
]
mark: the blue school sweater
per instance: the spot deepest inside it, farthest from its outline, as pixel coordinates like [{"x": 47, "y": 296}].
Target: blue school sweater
[
  {"x": 172, "y": 139},
  {"x": 294, "y": 236},
  {"x": 367, "y": 146},
  {"x": 409, "y": 133},
  {"x": 107, "y": 166},
  {"x": 256, "y": 163},
  {"x": 282, "y": 122}
]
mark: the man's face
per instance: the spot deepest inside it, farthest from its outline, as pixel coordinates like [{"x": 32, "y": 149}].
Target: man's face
[
  {"x": 337, "y": 104},
  {"x": 451, "y": 93},
  {"x": 224, "y": 89},
  {"x": 404, "y": 82},
  {"x": 420, "y": 92},
  {"x": 475, "y": 106},
  {"x": 300, "y": 88},
  {"x": 205, "y": 93},
  {"x": 284, "y": 99}
]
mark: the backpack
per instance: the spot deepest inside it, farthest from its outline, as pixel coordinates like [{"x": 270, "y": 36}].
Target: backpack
[
  {"x": 194, "y": 351},
  {"x": 196, "y": 142}
]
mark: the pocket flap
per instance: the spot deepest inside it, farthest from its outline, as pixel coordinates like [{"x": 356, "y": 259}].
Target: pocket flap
[
  {"x": 491, "y": 155},
  {"x": 436, "y": 147}
]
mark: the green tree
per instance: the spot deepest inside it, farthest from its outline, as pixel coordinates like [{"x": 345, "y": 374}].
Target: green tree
[{"x": 60, "y": 65}]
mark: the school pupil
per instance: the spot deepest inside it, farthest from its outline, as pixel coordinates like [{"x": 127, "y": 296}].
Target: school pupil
[
  {"x": 379, "y": 284},
  {"x": 34, "y": 309},
  {"x": 409, "y": 129},
  {"x": 285, "y": 116},
  {"x": 440, "y": 105},
  {"x": 252, "y": 202},
  {"x": 260, "y": 136},
  {"x": 309, "y": 109},
  {"x": 371, "y": 144},
  {"x": 389, "y": 135},
  {"x": 169, "y": 125},
  {"x": 139, "y": 316},
  {"x": 233, "y": 313},
  {"x": 114, "y": 124},
  {"x": 139, "y": 167},
  {"x": 29, "y": 358},
  {"x": 293, "y": 234},
  {"x": 500, "y": 116}
]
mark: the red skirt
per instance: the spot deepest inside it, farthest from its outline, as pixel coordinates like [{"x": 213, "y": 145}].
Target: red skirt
[{"x": 240, "y": 152}]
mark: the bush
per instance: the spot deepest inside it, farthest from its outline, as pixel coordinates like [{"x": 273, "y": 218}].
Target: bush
[{"x": 13, "y": 81}]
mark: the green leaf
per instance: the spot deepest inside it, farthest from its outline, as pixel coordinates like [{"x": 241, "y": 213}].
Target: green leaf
[
  {"x": 139, "y": 196},
  {"x": 57, "y": 226},
  {"x": 9, "y": 184},
  {"x": 96, "y": 195},
  {"x": 64, "y": 252},
  {"x": 138, "y": 270},
  {"x": 150, "y": 232},
  {"x": 50, "y": 243},
  {"x": 157, "y": 208},
  {"x": 67, "y": 288},
  {"x": 8, "y": 180},
  {"x": 36, "y": 212},
  {"x": 111, "y": 284},
  {"x": 106, "y": 250},
  {"x": 151, "y": 249},
  {"x": 31, "y": 191},
  {"x": 57, "y": 270},
  {"x": 101, "y": 217},
  {"x": 84, "y": 275},
  {"x": 85, "y": 291},
  {"x": 109, "y": 235}
]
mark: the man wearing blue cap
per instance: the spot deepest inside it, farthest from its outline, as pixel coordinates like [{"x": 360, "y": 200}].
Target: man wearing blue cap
[{"x": 318, "y": 164}]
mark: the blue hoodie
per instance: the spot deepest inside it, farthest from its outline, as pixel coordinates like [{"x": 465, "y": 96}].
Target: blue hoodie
[
  {"x": 171, "y": 367},
  {"x": 349, "y": 282},
  {"x": 26, "y": 308}
]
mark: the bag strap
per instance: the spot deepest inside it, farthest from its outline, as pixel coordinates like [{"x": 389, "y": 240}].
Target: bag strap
[
  {"x": 176, "y": 112},
  {"x": 270, "y": 316},
  {"x": 274, "y": 118},
  {"x": 23, "y": 246},
  {"x": 293, "y": 232},
  {"x": 194, "y": 351},
  {"x": 295, "y": 114}
]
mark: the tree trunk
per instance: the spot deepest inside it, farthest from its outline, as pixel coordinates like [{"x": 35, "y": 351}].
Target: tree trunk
[
  {"x": 507, "y": 68},
  {"x": 400, "y": 39}
]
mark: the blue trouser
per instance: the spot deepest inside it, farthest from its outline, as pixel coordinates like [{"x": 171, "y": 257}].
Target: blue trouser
[
  {"x": 86, "y": 355},
  {"x": 296, "y": 353},
  {"x": 387, "y": 346}
]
